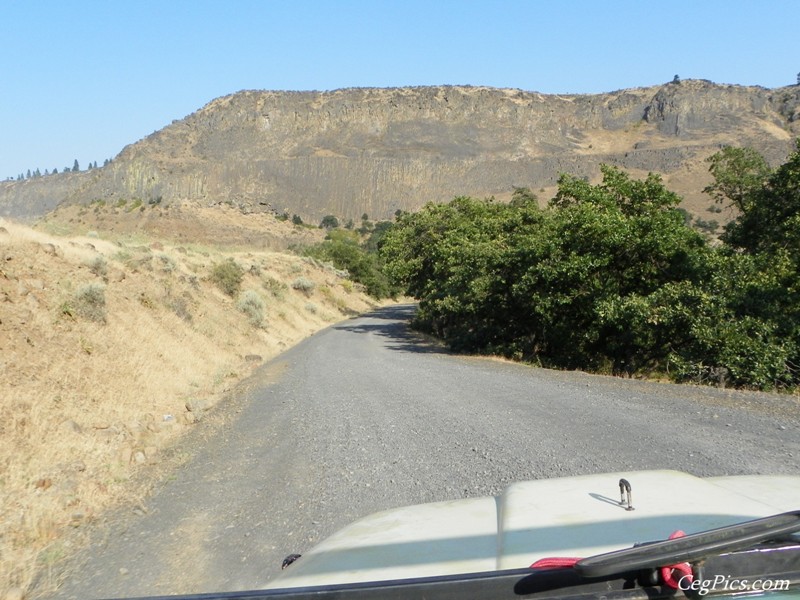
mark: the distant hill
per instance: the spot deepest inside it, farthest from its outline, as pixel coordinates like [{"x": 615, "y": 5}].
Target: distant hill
[{"x": 354, "y": 151}]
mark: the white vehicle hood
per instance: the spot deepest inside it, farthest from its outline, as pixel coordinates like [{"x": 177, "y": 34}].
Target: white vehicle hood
[{"x": 566, "y": 517}]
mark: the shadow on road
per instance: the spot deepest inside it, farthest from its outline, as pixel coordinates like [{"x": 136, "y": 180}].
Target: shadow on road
[{"x": 394, "y": 326}]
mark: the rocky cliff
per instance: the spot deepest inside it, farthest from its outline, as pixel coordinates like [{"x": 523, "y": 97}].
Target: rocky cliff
[{"x": 354, "y": 151}]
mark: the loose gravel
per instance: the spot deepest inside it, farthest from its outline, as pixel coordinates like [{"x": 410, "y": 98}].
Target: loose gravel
[{"x": 366, "y": 416}]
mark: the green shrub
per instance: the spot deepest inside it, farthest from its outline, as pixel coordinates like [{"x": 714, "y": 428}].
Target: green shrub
[
  {"x": 361, "y": 264},
  {"x": 710, "y": 226},
  {"x": 227, "y": 276},
  {"x": 251, "y": 304}
]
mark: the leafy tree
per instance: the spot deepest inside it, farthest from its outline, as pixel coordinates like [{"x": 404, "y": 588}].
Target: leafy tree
[
  {"x": 770, "y": 214},
  {"x": 738, "y": 174},
  {"x": 329, "y": 222},
  {"x": 534, "y": 283},
  {"x": 763, "y": 247},
  {"x": 522, "y": 195},
  {"x": 610, "y": 277},
  {"x": 377, "y": 236},
  {"x": 342, "y": 248},
  {"x": 297, "y": 220}
]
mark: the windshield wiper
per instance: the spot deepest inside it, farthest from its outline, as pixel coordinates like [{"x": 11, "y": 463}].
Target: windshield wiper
[{"x": 691, "y": 547}]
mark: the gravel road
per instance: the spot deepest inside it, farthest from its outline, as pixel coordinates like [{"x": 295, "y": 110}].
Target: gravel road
[{"x": 366, "y": 416}]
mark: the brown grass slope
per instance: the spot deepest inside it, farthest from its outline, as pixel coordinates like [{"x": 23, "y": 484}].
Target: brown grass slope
[
  {"x": 106, "y": 342},
  {"x": 347, "y": 152}
]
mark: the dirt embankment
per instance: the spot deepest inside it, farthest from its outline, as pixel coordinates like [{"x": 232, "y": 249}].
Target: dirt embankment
[{"x": 110, "y": 350}]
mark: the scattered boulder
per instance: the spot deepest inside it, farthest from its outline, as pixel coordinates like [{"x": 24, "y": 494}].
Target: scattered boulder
[
  {"x": 198, "y": 405},
  {"x": 70, "y": 426},
  {"x": 78, "y": 518},
  {"x": 43, "y": 484},
  {"x": 48, "y": 248}
]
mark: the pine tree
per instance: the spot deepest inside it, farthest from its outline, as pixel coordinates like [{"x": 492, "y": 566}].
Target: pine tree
[{"x": 75, "y": 166}]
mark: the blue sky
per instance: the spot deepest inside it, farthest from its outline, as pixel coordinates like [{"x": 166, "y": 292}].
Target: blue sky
[{"x": 81, "y": 80}]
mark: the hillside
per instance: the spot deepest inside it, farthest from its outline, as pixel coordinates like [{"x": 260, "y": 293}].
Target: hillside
[
  {"x": 354, "y": 151},
  {"x": 111, "y": 348}
]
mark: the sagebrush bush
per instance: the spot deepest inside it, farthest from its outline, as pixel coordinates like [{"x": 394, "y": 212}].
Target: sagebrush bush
[
  {"x": 167, "y": 262},
  {"x": 275, "y": 287},
  {"x": 228, "y": 276},
  {"x": 180, "y": 306},
  {"x": 88, "y": 302},
  {"x": 304, "y": 285},
  {"x": 251, "y": 304},
  {"x": 99, "y": 266}
]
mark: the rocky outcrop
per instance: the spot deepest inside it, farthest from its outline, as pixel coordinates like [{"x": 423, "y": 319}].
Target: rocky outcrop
[{"x": 352, "y": 151}]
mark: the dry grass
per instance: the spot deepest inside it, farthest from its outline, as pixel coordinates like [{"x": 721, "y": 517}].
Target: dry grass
[{"x": 85, "y": 403}]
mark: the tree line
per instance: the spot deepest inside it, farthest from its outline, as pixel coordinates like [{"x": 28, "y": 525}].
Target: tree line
[
  {"x": 74, "y": 169},
  {"x": 611, "y": 278},
  {"x": 355, "y": 250}
]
